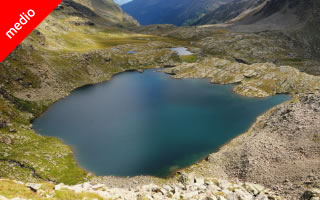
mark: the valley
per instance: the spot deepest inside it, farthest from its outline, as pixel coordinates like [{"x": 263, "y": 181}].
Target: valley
[{"x": 87, "y": 42}]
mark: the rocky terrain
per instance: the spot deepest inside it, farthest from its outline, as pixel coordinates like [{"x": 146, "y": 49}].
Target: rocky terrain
[
  {"x": 280, "y": 151},
  {"x": 277, "y": 47},
  {"x": 184, "y": 186},
  {"x": 256, "y": 80}
]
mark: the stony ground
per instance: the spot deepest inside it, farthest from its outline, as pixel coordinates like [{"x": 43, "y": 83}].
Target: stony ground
[
  {"x": 277, "y": 47},
  {"x": 280, "y": 151},
  {"x": 184, "y": 186}
]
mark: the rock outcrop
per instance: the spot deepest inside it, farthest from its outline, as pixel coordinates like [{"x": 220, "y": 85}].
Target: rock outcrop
[{"x": 256, "y": 80}]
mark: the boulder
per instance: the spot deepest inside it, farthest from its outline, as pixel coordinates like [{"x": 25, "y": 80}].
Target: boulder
[
  {"x": 312, "y": 194},
  {"x": 12, "y": 130},
  {"x": 185, "y": 179},
  {"x": 6, "y": 140},
  {"x": 254, "y": 188},
  {"x": 3, "y": 124},
  {"x": 243, "y": 195},
  {"x": 250, "y": 74},
  {"x": 58, "y": 187},
  {"x": 190, "y": 195},
  {"x": 261, "y": 196},
  {"x": 34, "y": 187}
]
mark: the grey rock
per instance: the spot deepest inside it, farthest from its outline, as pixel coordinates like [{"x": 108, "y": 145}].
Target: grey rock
[{"x": 33, "y": 186}]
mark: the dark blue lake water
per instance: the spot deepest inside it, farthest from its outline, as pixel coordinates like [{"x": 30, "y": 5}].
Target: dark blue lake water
[{"x": 148, "y": 123}]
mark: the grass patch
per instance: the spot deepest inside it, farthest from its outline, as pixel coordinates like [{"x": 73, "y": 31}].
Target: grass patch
[
  {"x": 11, "y": 189},
  {"x": 47, "y": 156},
  {"x": 189, "y": 58},
  {"x": 70, "y": 195}
]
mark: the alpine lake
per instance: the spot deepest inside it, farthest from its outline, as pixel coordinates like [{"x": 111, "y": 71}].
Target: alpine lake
[{"x": 149, "y": 123}]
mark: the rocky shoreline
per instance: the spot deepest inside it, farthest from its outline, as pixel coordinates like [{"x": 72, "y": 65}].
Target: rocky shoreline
[
  {"x": 280, "y": 151},
  {"x": 184, "y": 186}
]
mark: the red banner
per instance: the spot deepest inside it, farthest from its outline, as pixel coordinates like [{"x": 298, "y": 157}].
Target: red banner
[{"x": 19, "y": 18}]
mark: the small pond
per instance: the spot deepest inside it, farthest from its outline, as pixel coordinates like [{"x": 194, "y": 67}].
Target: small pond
[
  {"x": 131, "y": 52},
  {"x": 181, "y": 51}
]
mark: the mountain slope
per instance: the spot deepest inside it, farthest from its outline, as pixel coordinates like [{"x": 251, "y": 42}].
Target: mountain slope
[
  {"x": 228, "y": 11},
  {"x": 277, "y": 15},
  {"x": 108, "y": 10},
  {"x": 309, "y": 34},
  {"x": 175, "y": 12},
  {"x": 298, "y": 18}
]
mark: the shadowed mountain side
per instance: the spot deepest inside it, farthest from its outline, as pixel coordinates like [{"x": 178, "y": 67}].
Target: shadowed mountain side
[
  {"x": 229, "y": 11},
  {"x": 309, "y": 35},
  {"x": 175, "y": 12},
  {"x": 299, "y": 18},
  {"x": 276, "y": 15}
]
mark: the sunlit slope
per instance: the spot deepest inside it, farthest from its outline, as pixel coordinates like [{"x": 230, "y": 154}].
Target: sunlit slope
[{"x": 108, "y": 10}]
